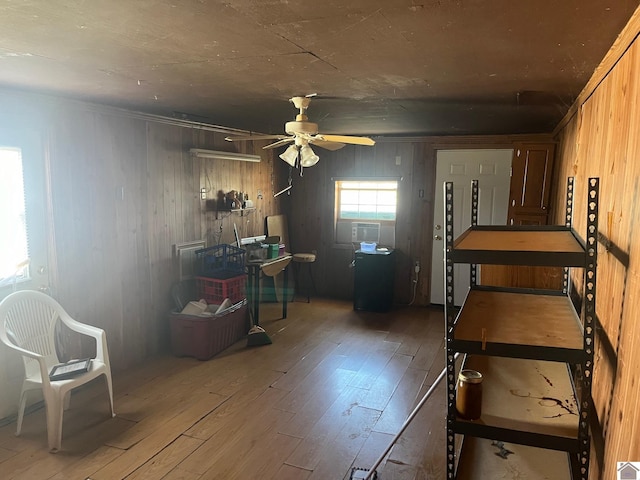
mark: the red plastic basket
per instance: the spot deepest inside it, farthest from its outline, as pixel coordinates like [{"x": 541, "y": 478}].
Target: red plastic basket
[{"x": 215, "y": 290}]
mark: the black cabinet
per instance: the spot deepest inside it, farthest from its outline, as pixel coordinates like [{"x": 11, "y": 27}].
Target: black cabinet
[{"x": 373, "y": 280}]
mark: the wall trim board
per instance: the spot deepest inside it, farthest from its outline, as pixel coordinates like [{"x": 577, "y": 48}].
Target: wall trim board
[{"x": 625, "y": 39}]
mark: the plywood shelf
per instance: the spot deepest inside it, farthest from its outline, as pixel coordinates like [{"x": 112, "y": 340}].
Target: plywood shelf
[
  {"x": 529, "y": 401},
  {"x": 503, "y": 245},
  {"x": 480, "y": 458},
  {"x": 495, "y": 321}
]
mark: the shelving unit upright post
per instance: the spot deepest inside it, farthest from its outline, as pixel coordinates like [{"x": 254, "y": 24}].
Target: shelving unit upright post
[{"x": 521, "y": 312}]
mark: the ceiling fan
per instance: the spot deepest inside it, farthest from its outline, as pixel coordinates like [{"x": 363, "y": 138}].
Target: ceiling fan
[{"x": 301, "y": 134}]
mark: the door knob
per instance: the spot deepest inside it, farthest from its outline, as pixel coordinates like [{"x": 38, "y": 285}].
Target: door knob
[{"x": 437, "y": 237}]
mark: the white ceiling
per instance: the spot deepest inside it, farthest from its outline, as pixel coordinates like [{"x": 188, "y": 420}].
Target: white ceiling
[{"x": 379, "y": 66}]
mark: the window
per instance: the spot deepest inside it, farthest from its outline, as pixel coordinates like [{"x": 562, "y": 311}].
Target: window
[
  {"x": 365, "y": 210},
  {"x": 366, "y": 200},
  {"x": 13, "y": 227}
]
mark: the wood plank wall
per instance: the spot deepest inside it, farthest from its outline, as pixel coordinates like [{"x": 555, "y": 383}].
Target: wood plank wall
[
  {"x": 124, "y": 191},
  {"x": 602, "y": 139},
  {"x": 311, "y": 207}
]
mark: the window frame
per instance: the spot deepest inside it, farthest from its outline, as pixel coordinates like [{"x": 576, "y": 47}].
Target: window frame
[
  {"x": 337, "y": 221},
  {"x": 38, "y": 211}
]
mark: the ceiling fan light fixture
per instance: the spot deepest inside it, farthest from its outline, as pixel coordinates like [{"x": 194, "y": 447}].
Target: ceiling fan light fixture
[
  {"x": 290, "y": 155},
  {"x": 307, "y": 157}
]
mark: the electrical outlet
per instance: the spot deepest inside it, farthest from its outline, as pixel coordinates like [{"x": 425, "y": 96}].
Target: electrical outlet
[
  {"x": 203, "y": 193},
  {"x": 417, "y": 266}
]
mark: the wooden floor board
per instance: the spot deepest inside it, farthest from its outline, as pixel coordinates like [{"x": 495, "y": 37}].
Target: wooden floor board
[
  {"x": 238, "y": 431},
  {"x": 386, "y": 383},
  {"x": 83, "y": 467},
  {"x": 327, "y": 395},
  {"x": 337, "y": 457},
  {"x": 167, "y": 459},
  {"x": 166, "y": 433},
  {"x": 374, "y": 364},
  {"x": 265, "y": 461},
  {"x": 319, "y": 400},
  {"x": 401, "y": 403},
  {"x": 241, "y": 405},
  {"x": 326, "y": 429}
]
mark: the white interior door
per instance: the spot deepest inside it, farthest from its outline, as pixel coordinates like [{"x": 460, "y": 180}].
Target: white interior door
[{"x": 492, "y": 169}]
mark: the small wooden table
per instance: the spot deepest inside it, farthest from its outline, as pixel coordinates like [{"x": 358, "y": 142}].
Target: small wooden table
[{"x": 269, "y": 267}]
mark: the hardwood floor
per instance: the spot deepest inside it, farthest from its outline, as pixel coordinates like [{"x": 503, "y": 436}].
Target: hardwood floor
[{"x": 328, "y": 394}]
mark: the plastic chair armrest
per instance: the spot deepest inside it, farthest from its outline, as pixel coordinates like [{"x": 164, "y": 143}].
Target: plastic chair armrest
[
  {"x": 24, "y": 352},
  {"x": 90, "y": 331}
]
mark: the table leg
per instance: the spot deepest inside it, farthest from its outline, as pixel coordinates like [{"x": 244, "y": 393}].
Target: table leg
[
  {"x": 254, "y": 292},
  {"x": 285, "y": 293}
]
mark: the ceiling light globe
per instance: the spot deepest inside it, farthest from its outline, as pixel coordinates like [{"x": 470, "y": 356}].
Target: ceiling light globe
[
  {"x": 290, "y": 155},
  {"x": 307, "y": 157}
]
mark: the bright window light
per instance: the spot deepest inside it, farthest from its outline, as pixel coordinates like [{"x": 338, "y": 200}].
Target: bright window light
[
  {"x": 366, "y": 200},
  {"x": 13, "y": 227}
]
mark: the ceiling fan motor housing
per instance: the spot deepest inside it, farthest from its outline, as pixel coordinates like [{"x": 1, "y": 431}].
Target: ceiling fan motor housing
[{"x": 293, "y": 128}]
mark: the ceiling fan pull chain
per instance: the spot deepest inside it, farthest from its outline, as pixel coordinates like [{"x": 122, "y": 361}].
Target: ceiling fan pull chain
[{"x": 290, "y": 180}]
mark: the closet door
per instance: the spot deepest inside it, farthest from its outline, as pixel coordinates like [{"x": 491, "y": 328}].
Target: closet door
[{"x": 532, "y": 167}]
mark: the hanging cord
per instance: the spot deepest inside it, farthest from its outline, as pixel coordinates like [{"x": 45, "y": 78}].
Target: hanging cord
[
  {"x": 288, "y": 188},
  {"x": 415, "y": 282}
]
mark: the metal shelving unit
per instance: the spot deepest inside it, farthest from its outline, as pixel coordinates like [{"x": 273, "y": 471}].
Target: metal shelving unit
[{"x": 534, "y": 349}]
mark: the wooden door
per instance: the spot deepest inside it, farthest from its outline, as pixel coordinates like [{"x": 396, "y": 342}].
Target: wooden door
[{"x": 532, "y": 167}]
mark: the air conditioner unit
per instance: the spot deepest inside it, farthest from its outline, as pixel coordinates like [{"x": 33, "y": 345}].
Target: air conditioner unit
[{"x": 365, "y": 232}]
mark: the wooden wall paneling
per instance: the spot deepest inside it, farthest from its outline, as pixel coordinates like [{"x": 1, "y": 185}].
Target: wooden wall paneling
[
  {"x": 424, "y": 174},
  {"x": 602, "y": 140},
  {"x": 129, "y": 192},
  {"x": 386, "y": 155},
  {"x": 191, "y": 203},
  {"x": 120, "y": 149},
  {"x": 86, "y": 248},
  {"x": 73, "y": 237},
  {"x": 337, "y": 276},
  {"x": 164, "y": 151}
]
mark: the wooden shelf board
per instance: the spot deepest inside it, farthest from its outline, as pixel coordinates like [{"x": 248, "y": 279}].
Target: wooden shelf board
[
  {"x": 478, "y": 460},
  {"x": 544, "y": 321},
  {"x": 521, "y": 241},
  {"x": 526, "y": 395},
  {"x": 509, "y": 245}
]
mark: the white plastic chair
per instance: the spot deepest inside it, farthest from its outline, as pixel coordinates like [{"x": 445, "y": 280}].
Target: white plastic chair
[{"x": 27, "y": 325}]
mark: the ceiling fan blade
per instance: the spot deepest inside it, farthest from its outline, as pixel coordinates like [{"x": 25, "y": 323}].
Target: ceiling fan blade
[
  {"x": 251, "y": 138},
  {"x": 327, "y": 145},
  {"x": 347, "y": 139},
  {"x": 279, "y": 143}
]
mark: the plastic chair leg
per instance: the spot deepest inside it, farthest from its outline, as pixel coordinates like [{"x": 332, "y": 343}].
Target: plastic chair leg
[
  {"x": 21, "y": 407},
  {"x": 110, "y": 389},
  {"x": 54, "y": 408}
]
